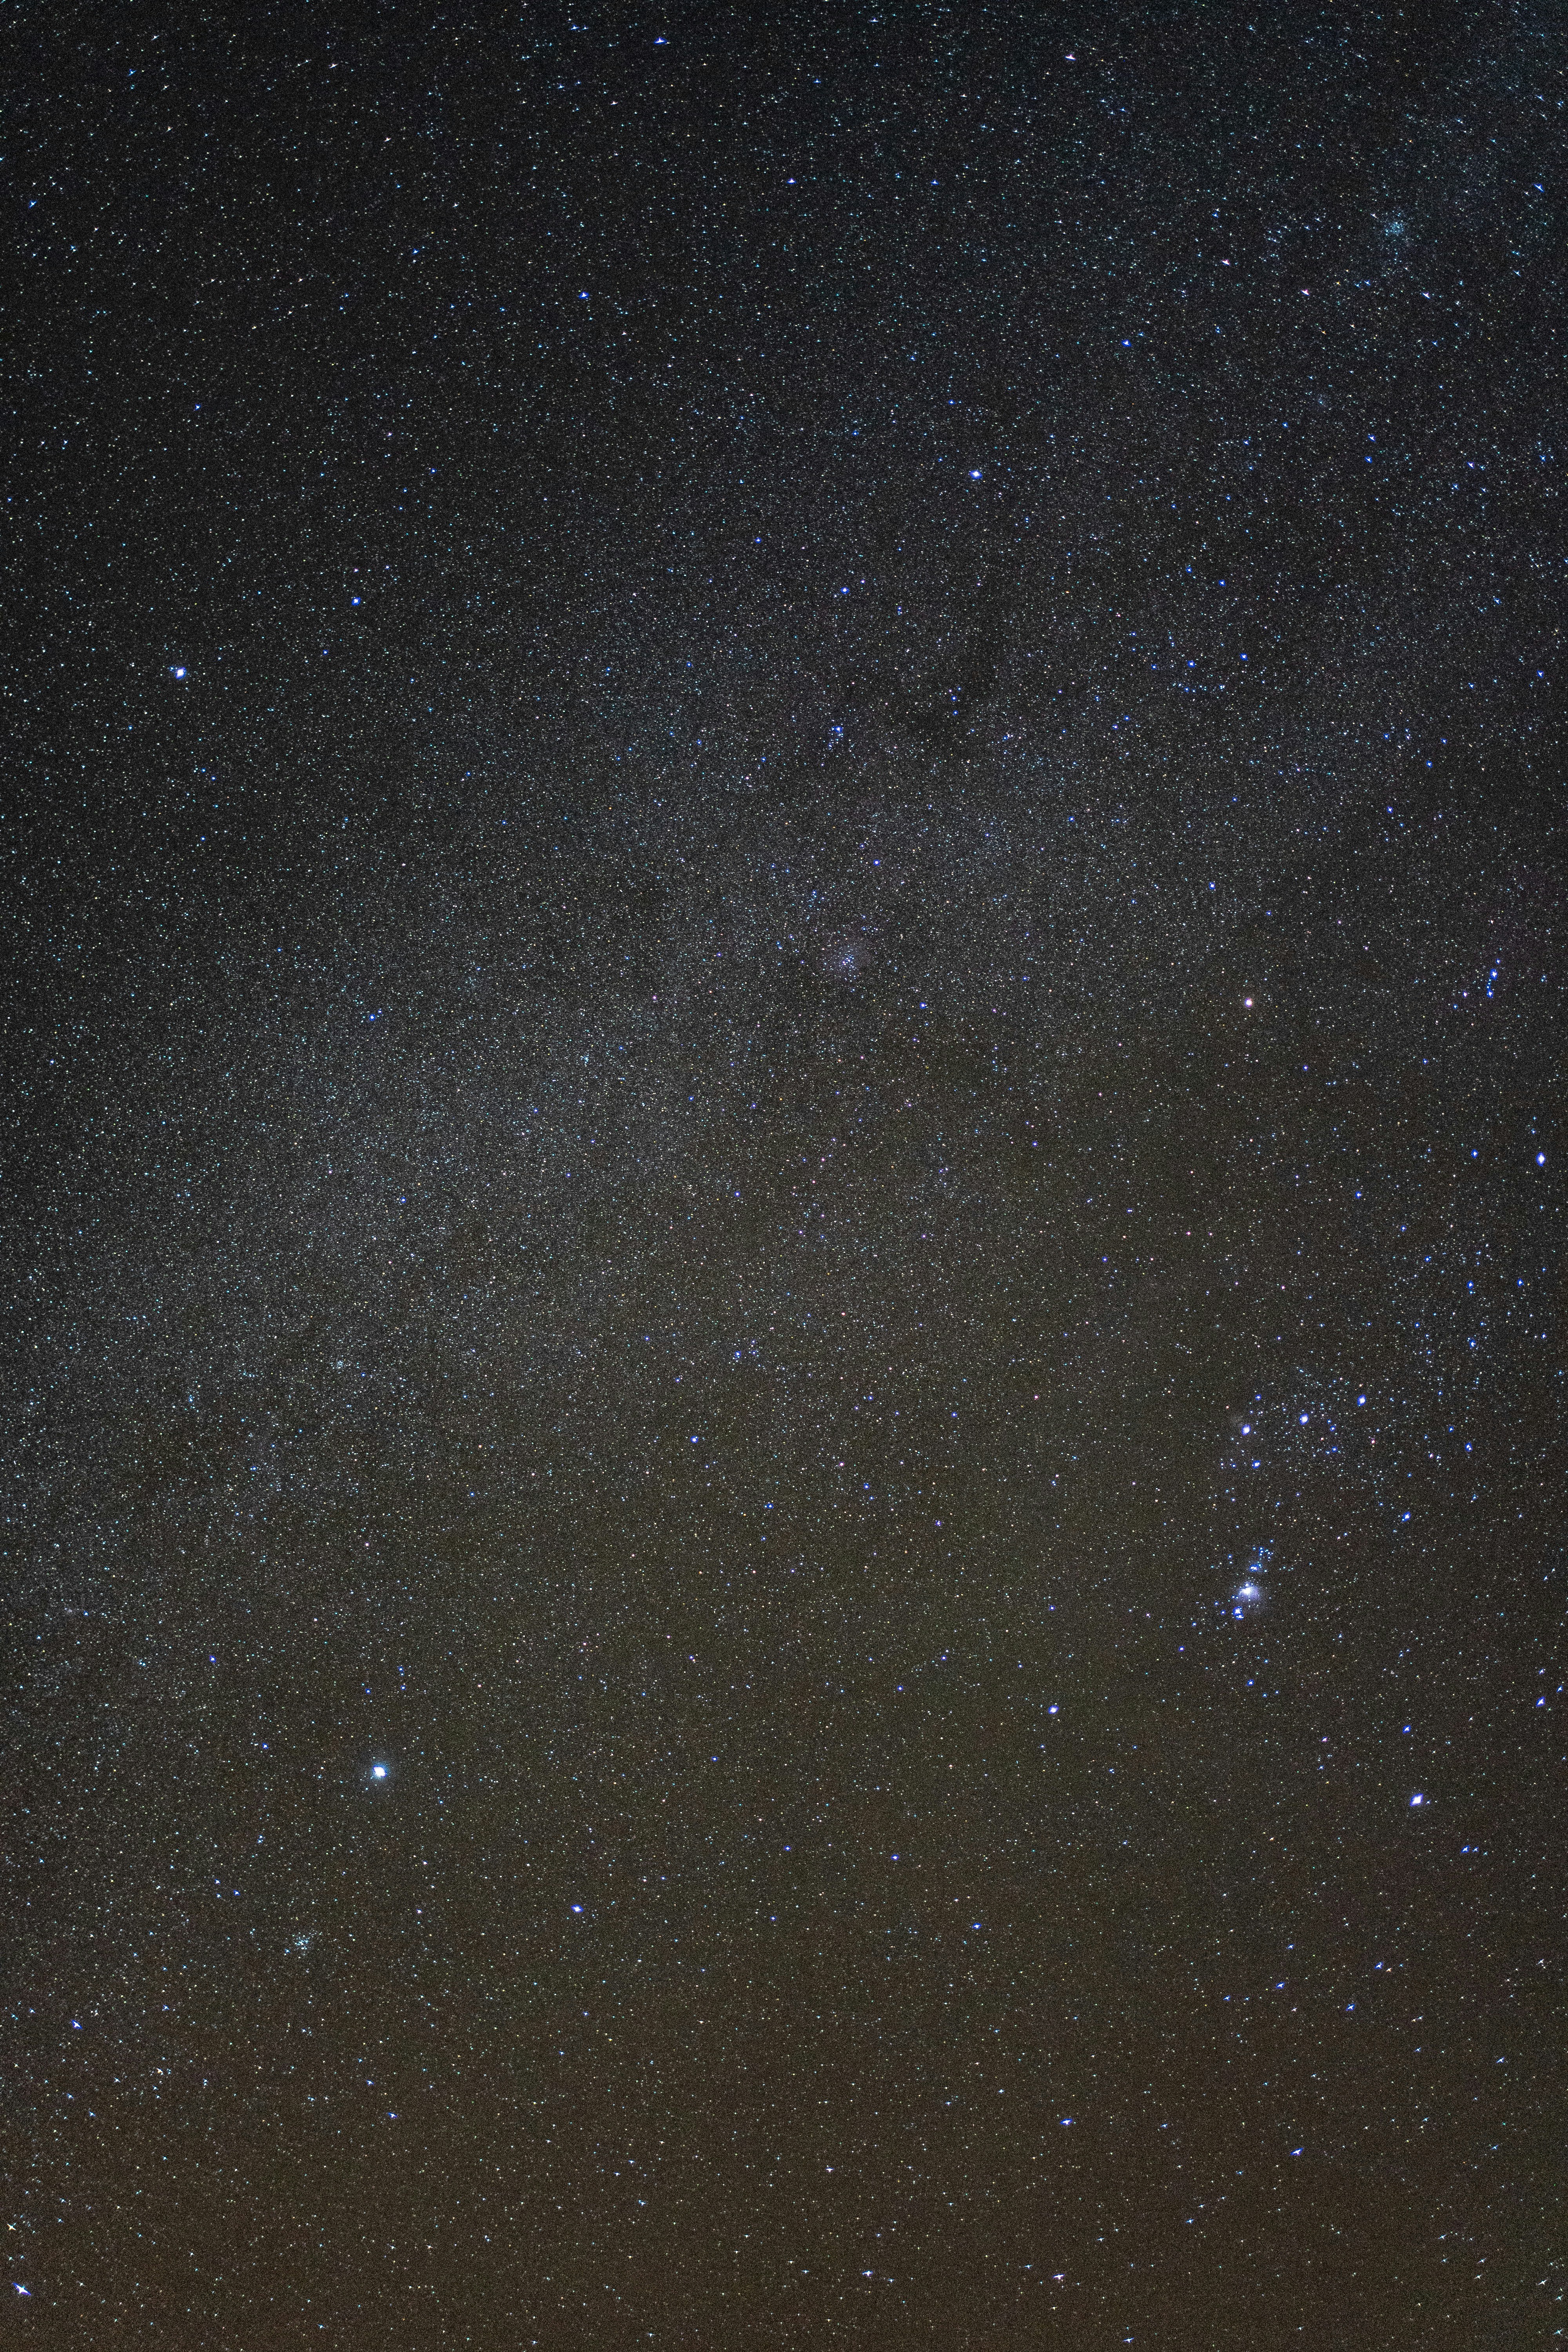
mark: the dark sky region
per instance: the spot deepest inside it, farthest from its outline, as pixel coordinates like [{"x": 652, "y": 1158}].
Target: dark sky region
[{"x": 783, "y": 1178}]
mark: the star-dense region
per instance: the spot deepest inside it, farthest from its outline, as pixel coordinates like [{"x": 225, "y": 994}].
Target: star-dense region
[{"x": 783, "y": 1180}]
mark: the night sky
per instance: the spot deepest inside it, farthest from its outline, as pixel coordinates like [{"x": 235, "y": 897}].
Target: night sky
[{"x": 781, "y": 1185}]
